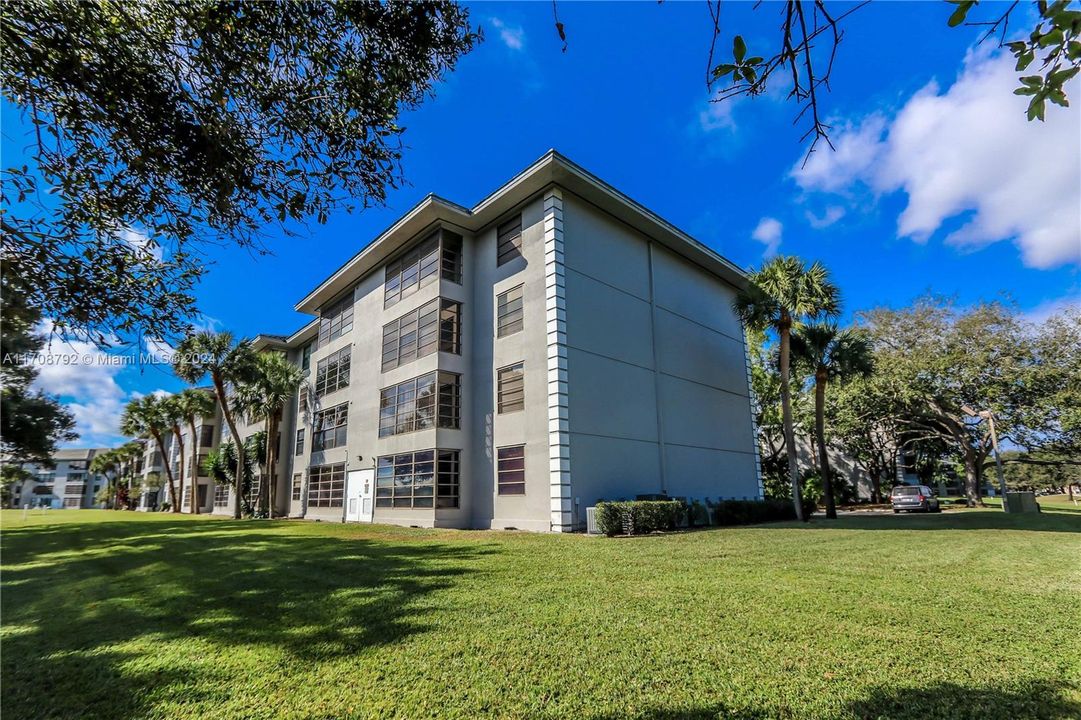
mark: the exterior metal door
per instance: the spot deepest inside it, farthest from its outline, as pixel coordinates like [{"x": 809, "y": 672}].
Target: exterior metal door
[{"x": 359, "y": 495}]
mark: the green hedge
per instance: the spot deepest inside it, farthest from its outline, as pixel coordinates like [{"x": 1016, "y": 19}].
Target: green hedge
[
  {"x": 636, "y": 517},
  {"x": 752, "y": 512}
]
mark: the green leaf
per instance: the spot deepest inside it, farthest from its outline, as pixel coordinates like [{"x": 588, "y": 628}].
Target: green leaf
[
  {"x": 739, "y": 49},
  {"x": 1024, "y": 60},
  {"x": 1025, "y": 91},
  {"x": 960, "y": 13},
  {"x": 1059, "y": 98},
  {"x": 1035, "y": 109},
  {"x": 1032, "y": 81},
  {"x": 753, "y": 61},
  {"x": 722, "y": 70}
]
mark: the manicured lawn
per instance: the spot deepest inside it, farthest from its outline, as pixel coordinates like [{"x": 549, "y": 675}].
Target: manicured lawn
[{"x": 960, "y": 615}]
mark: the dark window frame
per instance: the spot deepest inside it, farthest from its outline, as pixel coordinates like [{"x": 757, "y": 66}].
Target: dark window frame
[
  {"x": 326, "y": 485},
  {"x": 435, "y": 326},
  {"x": 328, "y": 437},
  {"x": 438, "y": 255},
  {"x": 401, "y": 410},
  {"x": 424, "y": 479},
  {"x": 298, "y": 447},
  {"x": 510, "y": 311},
  {"x": 332, "y": 372},
  {"x": 336, "y": 319},
  {"x": 510, "y": 391},
  {"x": 510, "y": 470},
  {"x": 508, "y": 241}
]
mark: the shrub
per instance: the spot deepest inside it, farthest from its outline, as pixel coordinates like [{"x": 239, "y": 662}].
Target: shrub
[
  {"x": 752, "y": 512},
  {"x": 637, "y": 517}
]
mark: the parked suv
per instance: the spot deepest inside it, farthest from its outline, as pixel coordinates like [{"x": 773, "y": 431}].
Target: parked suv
[{"x": 914, "y": 497}]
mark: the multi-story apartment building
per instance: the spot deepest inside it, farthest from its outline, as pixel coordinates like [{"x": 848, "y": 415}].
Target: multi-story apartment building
[
  {"x": 511, "y": 364},
  {"x": 68, "y": 484}
]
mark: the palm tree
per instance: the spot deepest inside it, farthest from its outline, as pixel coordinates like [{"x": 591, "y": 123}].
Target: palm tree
[
  {"x": 265, "y": 397},
  {"x": 228, "y": 363},
  {"x": 147, "y": 417},
  {"x": 173, "y": 414},
  {"x": 128, "y": 453},
  {"x": 107, "y": 463},
  {"x": 195, "y": 404},
  {"x": 782, "y": 294},
  {"x": 830, "y": 354}
]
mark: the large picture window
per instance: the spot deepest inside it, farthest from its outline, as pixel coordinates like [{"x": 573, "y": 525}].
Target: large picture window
[
  {"x": 509, "y": 312},
  {"x": 511, "y": 388},
  {"x": 326, "y": 485},
  {"x": 336, "y": 320},
  {"x": 420, "y": 403},
  {"x": 221, "y": 496},
  {"x": 511, "y": 470},
  {"x": 418, "y": 479},
  {"x": 509, "y": 241},
  {"x": 332, "y": 372},
  {"x": 433, "y": 326},
  {"x": 440, "y": 254},
  {"x": 330, "y": 428},
  {"x": 206, "y": 436}
]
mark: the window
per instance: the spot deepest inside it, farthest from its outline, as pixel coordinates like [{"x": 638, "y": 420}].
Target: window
[
  {"x": 206, "y": 436},
  {"x": 332, "y": 372},
  {"x": 185, "y": 499},
  {"x": 326, "y": 485},
  {"x": 336, "y": 320},
  {"x": 298, "y": 480},
  {"x": 75, "y": 477},
  {"x": 221, "y": 496},
  {"x": 302, "y": 403},
  {"x": 511, "y": 390},
  {"x": 439, "y": 254},
  {"x": 300, "y": 442},
  {"x": 76, "y": 465},
  {"x": 420, "y": 403},
  {"x": 415, "y": 480},
  {"x": 509, "y": 241},
  {"x": 77, "y": 489},
  {"x": 329, "y": 429},
  {"x": 253, "y": 490},
  {"x": 72, "y": 502},
  {"x": 511, "y": 470},
  {"x": 201, "y": 467},
  {"x": 433, "y": 326},
  {"x": 509, "y": 312},
  {"x": 306, "y": 357}
]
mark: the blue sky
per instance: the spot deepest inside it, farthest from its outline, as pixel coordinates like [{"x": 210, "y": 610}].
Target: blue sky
[{"x": 938, "y": 184}]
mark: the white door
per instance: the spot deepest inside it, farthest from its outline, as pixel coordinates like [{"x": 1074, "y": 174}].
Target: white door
[{"x": 359, "y": 492}]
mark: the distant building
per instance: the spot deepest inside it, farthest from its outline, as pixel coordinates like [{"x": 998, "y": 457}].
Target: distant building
[{"x": 69, "y": 484}]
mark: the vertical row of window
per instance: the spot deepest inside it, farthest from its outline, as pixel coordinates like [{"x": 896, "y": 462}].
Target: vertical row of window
[
  {"x": 436, "y": 325},
  {"x": 440, "y": 255},
  {"x": 421, "y": 403},
  {"x": 421, "y": 479},
  {"x": 332, "y": 372},
  {"x": 510, "y": 380}
]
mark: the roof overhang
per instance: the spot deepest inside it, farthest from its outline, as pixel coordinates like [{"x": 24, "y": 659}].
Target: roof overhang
[{"x": 550, "y": 170}]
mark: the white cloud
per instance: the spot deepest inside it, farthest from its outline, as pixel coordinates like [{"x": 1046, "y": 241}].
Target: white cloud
[
  {"x": 85, "y": 378},
  {"x": 1044, "y": 310},
  {"x": 969, "y": 151},
  {"x": 831, "y": 215},
  {"x": 768, "y": 232},
  {"x": 141, "y": 241},
  {"x": 513, "y": 36},
  {"x": 717, "y": 116}
]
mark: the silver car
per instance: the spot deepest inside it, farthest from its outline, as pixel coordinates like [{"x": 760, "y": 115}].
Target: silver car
[{"x": 912, "y": 498}]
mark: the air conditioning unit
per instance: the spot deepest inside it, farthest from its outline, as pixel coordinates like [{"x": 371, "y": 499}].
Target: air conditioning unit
[{"x": 591, "y": 521}]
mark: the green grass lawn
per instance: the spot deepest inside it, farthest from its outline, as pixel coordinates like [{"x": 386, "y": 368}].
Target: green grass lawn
[{"x": 122, "y": 615}]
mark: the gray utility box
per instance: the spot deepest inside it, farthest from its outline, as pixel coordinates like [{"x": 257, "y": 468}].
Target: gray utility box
[{"x": 1021, "y": 502}]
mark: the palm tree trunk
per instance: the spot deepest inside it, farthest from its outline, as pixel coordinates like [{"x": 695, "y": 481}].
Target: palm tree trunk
[
  {"x": 786, "y": 414},
  {"x": 820, "y": 436},
  {"x": 972, "y": 481},
  {"x": 180, "y": 465},
  {"x": 194, "y": 505},
  {"x": 219, "y": 390},
  {"x": 264, "y": 493},
  {"x": 168, "y": 473},
  {"x": 271, "y": 461}
]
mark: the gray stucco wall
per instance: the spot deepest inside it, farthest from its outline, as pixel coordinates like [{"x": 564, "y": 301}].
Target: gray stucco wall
[{"x": 657, "y": 369}]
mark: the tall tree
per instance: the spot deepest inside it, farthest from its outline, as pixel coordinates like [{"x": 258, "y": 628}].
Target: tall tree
[
  {"x": 148, "y": 417},
  {"x": 831, "y": 355},
  {"x": 195, "y": 403},
  {"x": 31, "y": 422},
  {"x": 173, "y": 412},
  {"x": 784, "y": 292},
  {"x": 170, "y": 125},
  {"x": 265, "y": 396},
  {"x": 228, "y": 363},
  {"x": 108, "y": 464},
  {"x": 861, "y": 411}
]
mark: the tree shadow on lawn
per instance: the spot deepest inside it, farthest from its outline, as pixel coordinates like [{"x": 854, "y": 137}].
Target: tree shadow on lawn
[
  {"x": 959, "y": 520},
  {"x": 74, "y": 593},
  {"x": 1034, "y": 700}
]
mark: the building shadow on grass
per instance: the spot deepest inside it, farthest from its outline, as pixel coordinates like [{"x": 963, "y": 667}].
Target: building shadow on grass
[
  {"x": 86, "y": 606},
  {"x": 1033, "y": 700}
]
